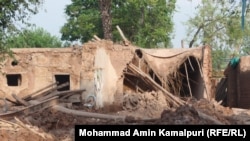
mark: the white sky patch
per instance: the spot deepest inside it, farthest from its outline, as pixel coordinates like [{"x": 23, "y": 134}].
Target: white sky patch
[
  {"x": 51, "y": 16},
  {"x": 185, "y": 9}
]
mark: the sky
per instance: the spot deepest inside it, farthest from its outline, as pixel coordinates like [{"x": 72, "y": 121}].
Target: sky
[
  {"x": 185, "y": 9},
  {"x": 51, "y": 17}
]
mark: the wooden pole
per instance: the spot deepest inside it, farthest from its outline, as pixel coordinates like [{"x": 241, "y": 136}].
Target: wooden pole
[
  {"x": 60, "y": 94},
  {"x": 125, "y": 40},
  {"x": 190, "y": 91},
  {"x": 97, "y": 38},
  {"x": 169, "y": 96},
  {"x": 38, "y": 106},
  {"x": 28, "y": 97},
  {"x": 20, "y": 100},
  {"x": 88, "y": 114}
]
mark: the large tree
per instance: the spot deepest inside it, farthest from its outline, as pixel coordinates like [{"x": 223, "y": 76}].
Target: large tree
[
  {"x": 11, "y": 13},
  {"x": 218, "y": 24},
  {"x": 147, "y": 23},
  {"x": 34, "y": 37},
  {"x": 105, "y": 8}
]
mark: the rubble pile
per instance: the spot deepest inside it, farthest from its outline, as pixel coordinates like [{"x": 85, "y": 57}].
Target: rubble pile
[{"x": 199, "y": 112}]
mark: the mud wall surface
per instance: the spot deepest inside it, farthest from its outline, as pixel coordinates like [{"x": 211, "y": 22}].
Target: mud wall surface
[
  {"x": 105, "y": 79},
  {"x": 243, "y": 78},
  {"x": 207, "y": 72},
  {"x": 36, "y": 68},
  {"x": 238, "y": 94},
  {"x": 106, "y": 60},
  {"x": 232, "y": 100}
]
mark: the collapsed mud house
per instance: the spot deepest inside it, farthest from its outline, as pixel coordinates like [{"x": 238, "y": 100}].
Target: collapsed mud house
[{"x": 106, "y": 71}]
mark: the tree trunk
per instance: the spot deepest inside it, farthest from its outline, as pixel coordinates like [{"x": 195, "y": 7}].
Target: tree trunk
[{"x": 105, "y": 9}]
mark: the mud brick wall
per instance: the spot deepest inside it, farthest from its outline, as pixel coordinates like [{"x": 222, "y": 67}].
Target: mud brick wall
[
  {"x": 232, "y": 100},
  {"x": 37, "y": 67},
  {"x": 243, "y": 82},
  {"x": 207, "y": 72}
]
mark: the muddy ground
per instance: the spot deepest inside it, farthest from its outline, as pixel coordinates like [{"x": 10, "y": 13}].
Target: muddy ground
[{"x": 145, "y": 108}]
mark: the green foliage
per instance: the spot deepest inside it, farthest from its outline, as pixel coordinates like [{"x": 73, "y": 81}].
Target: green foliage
[
  {"x": 220, "y": 58},
  {"x": 36, "y": 37},
  {"x": 245, "y": 49},
  {"x": 12, "y": 12},
  {"x": 144, "y": 22},
  {"x": 218, "y": 24},
  {"x": 83, "y": 21}
]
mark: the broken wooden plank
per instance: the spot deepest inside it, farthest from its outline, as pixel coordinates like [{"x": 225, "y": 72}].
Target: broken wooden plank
[
  {"x": 20, "y": 100},
  {"x": 13, "y": 102},
  {"x": 189, "y": 88},
  {"x": 190, "y": 63},
  {"x": 133, "y": 79},
  {"x": 31, "y": 109},
  {"x": 140, "y": 74},
  {"x": 97, "y": 38},
  {"x": 134, "y": 84},
  {"x": 56, "y": 88},
  {"x": 29, "y": 97},
  {"x": 125, "y": 40},
  {"x": 144, "y": 66},
  {"x": 67, "y": 95},
  {"x": 50, "y": 91},
  {"x": 60, "y": 94},
  {"x": 88, "y": 114},
  {"x": 169, "y": 96}
]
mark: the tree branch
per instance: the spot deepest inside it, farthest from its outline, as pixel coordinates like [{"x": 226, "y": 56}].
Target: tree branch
[{"x": 195, "y": 35}]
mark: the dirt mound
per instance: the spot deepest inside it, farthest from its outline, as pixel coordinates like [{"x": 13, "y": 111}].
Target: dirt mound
[
  {"x": 145, "y": 105},
  {"x": 198, "y": 112}
]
